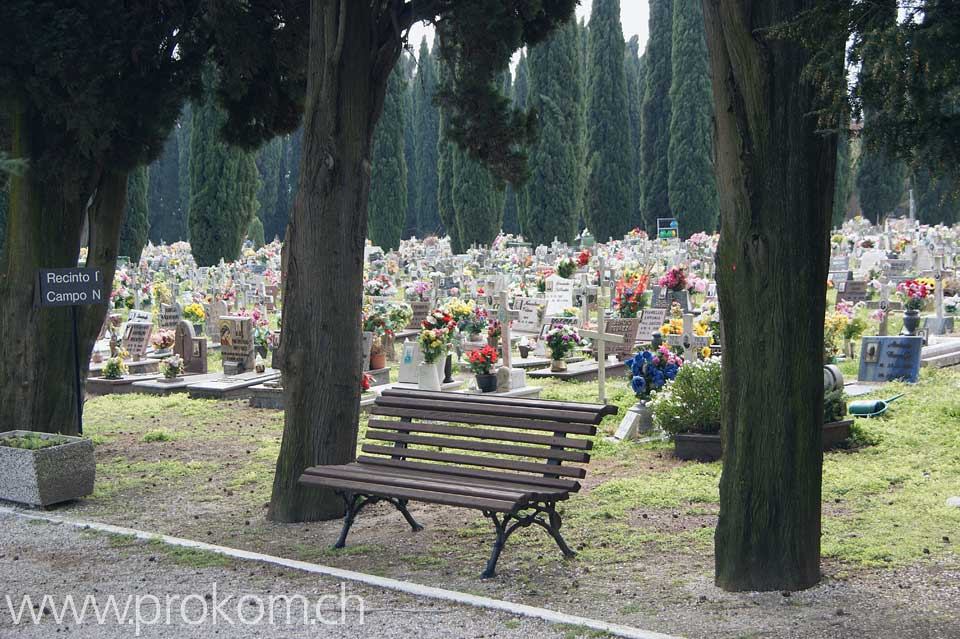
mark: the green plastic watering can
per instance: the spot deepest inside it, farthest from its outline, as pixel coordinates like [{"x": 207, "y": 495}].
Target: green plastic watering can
[{"x": 871, "y": 407}]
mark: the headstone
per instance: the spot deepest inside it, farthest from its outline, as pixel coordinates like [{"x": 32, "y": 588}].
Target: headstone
[
  {"x": 214, "y": 311},
  {"x": 651, "y": 321},
  {"x": 410, "y": 359},
  {"x": 191, "y": 349},
  {"x": 529, "y": 319},
  {"x": 692, "y": 344},
  {"x": 169, "y": 315},
  {"x": 139, "y": 316},
  {"x": 626, "y": 327},
  {"x": 136, "y": 336},
  {"x": 236, "y": 344},
  {"x": 420, "y": 312},
  {"x": 883, "y": 359},
  {"x": 853, "y": 291},
  {"x": 560, "y": 297}
]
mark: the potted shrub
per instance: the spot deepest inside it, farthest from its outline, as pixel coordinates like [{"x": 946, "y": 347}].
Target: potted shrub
[
  {"x": 114, "y": 368},
  {"x": 434, "y": 341},
  {"x": 374, "y": 323},
  {"x": 482, "y": 361},
  {"x": 171, "y": 368},
  {"x": 836, "y": 429},
  {"x": 561, "y": 340},
  {"x": 40, "y": 469}
]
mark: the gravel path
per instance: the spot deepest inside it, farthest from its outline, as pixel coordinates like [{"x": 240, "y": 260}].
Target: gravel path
[{"x": 38, "y": 558}]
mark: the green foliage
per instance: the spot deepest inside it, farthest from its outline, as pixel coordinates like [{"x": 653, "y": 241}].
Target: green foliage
[
  {"x": 427, "y": 137},
  {"x": 880, "y": 182},
  {"x": 268, "y": 168},
  {"x": 655, "y": 116},
  {"x": 633, "y": 71},
  {"x": 445, "y": 176},
  {"x": 223, "y": 189},
  {"x": 691, "y": 402},
  {"x": 255, "y": 232},
  {"x": 168, "y": 220},
  {"x": 938, "y": 197},
  {"x": 410, "y": 218},
  {"x": 136, "y": 216},
  {"x": 834, "y": 405},
  {"x": 842, "y": 187},
  {"x": 552, "y": 190},
  {"x": 691, "y": 181},
  {"x": 607, "y": 202},
  {"x": 158, "y": 436},
  {"x": 32, "y": 441},
  {"x": 476, "y": 201},
  {"x": 388, "y": 182},
  {"x": 184, "y": 132},
  {"x": 520, "y": 95}
]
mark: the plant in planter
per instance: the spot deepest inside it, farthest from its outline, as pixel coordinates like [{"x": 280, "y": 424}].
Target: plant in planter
[
  {"x": 419, "y": 291},
  {"x": 40, "y": 469},
  {"x": 650, "y": 370},
  {"x": 114, "y": 368},
  {"x": 561, "y": 339},
  {"x": 675, "y": 279},
  {"x": 628, "y": 298},
  {"x": 434, "y": 344},
  {"x": 482, "y": 361},
  {"x": 375, "y": 320},
  {"x": 474, "y": 325},
  {"x": 171, "y": 367},
  {"x": 494, "y": 333},
  {"x": 162, "y": 340},
  {"x": 566, "y": 267},
  {"x": 914, "y": 295},
  {"x": 688, "y": 409},
  {"x": 195, "y": 314}
]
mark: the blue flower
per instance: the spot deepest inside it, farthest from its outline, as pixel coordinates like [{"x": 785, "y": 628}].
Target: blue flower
[
  {"x": 638, "y": 384},
  {"x": 647, "y": 356},
  {"x": 670, "y": 371},
  {"x": 658, "y": 378},
  {"x": 636, "y": 365}
]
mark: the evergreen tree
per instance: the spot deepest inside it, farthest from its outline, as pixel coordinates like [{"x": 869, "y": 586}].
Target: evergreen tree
[
  {"x": 937, "y": 197},
  {"x": 427, "y": 137},
  {"x": 445, "y": 175},
  {"x": 880, "y": 182},
  {"x": 692, "y": 183},
  {"x": 607, "y": 199},
  {"x": 184, "y": 131},
  {"x": 167, "y": 220},
  {"x": 388, "y": 181},
  {"x": 552, "y": 191},
  {"x": 841, "y": 191},
  {"x": 255, "y": 232},
  {"x": 520, "y": 96},
  {"x": 275, "y": 219},
  {"x": 478, "y": 208},
  {"x": 633, "y": 72},
  {"x": 410, "y": 107},
  {"x": 268, "y": 160},
  {"x": 511, "y": 221},
  {"x": 223, "y": 188},
  {"x": 655, "y": 116},
  {"x": 136, "y": 215}
]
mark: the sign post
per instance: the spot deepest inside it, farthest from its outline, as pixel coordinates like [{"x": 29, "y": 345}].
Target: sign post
[{"x": 72, "y": 287}]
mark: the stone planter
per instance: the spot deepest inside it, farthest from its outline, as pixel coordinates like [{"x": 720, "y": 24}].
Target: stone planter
[
  {"x": 428, "y": 377},
  {"x": 558, "y": 365},
  {"x": 709, "y": 447},
  {"x": 47, "y": 476},
  {"x": 637, "y": 421}
]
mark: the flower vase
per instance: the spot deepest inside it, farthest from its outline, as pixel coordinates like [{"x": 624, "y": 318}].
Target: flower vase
[
  {"x": 261, "y": 351},
  {"x": 911, "y": 322},
  {"x": 427, "y": 377},
  {"x": 198, "y": 330},
  {"x": 448, "y": 369},
  {"x": 524, "y": 351},
  {"x": 493, "y": 342},
  {"x": 378, "y": 361},
  {"x": 487, "y": 383},
  {"x": 558, "y": 365},
  {"x": 475, "y": 338}
]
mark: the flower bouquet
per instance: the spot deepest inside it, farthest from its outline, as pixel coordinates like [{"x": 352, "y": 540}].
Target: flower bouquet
[
  {"x": 628, "y": 295},
  {"x": 675, "y": 280},
  {"x": 650, "y": 370},
  {"x": 560, "y": 341},
  {"x": 114, "y": 368},
  {"x": 566, "y": 267},
  {"x": 482, "y": 361},
  {"x": 194, "y": 313},
  {"x": 914, "y": 294},
  {"x": 171, "y": 367},
  {"x": 163, "y": 339},
  {"x": 583, "y": 257},
  {"x": 419, "y": 291}
]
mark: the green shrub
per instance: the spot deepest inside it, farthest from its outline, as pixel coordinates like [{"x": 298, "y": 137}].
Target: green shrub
[
  {"x": 158, "y": 436},
  {"x": 32, "y": 442},
  {"x": 691, "y": 402}
]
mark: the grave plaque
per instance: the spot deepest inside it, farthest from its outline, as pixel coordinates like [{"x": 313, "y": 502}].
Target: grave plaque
[
  {"x": 626, "y": 327},
  {"x": 560, "y": 297},
  {"x": 883, "y": 359},
  {"x": 236, "y": 344},
  {"x": 169, "y": 315},
  {"x": 529, "y": 319},
  {"x": 853, "y": 291},
  {"x": 420, "y": 312},
  {"x": 214, "y": 311},
  {"x": 139, "y": 316},
  {"x": 136, "y": 336},
  {"x": 409, "y": 361},
  {"x": 650, "y": 323}
]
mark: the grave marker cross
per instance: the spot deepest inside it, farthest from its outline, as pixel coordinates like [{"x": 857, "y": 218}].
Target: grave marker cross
[
  {"x": 505, "y": 315},
  {"x": 600, "y": 338},
  {"x": 692, "y": 344}
]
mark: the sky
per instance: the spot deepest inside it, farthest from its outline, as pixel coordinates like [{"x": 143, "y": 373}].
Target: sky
[{"x": 634, "y": 15}]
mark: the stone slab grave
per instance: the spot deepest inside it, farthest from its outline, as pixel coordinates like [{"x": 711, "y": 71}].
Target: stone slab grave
[
  {"x": 154, "y": 386},
  {"x": 941, "y": 352},
  {"x": 232, "y": 387},
  {"x": 884, "y": 359},
  {"x": 123, "y": 386},
  {"x": 583, "y": 371},
  {"x": 136, "y": 336}
]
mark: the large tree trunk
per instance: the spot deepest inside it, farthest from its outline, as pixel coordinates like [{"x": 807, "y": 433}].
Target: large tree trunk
[
  {"x": 44, "y": 227},
  {"x": 323, "y": 255},
  {"x": 775, "y": 176}
]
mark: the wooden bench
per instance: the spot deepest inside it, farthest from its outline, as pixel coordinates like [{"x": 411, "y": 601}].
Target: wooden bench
[{"x": 516, "y": 479}]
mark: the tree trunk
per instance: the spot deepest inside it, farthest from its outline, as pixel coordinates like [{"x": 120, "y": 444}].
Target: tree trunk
[
  {"x": 775, "y": 176},
  {"x": 323, "y": 254},
  {"x": 44, "y": 227}
]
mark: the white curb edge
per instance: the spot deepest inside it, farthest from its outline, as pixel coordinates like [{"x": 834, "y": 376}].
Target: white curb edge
[{"x": 350, "y": 575}]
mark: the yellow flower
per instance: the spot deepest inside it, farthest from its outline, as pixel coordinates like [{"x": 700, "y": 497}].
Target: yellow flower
[
  {"x": 705, "y": 352},
  {"x": 435, "y": 344}
]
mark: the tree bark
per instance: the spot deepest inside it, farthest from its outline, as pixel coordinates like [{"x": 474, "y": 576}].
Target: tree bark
[
  {"x": 44, "y": 227},
  {"x": 775, "y": 175},
  {"x": 323, "y": 254}
]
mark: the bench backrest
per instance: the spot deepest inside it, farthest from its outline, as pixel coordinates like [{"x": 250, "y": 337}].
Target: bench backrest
[{"x": 482, "y": 436}]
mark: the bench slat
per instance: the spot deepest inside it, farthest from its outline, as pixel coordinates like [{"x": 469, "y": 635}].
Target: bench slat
[
  {"x": 525, "y": 423},
  {"x": 448, "y": 485},
  {"x": 473, "y": 473},
  {"x": 549, "y": 404},
  {"x": 538, "y": 490},
  {"x": 520, "y": 412},
  {"x": 447, "y": 499},
  {"x": 481, "y": 446},
  {"x": 482, "y": 433},
  {"x": 477, "y": 460}
]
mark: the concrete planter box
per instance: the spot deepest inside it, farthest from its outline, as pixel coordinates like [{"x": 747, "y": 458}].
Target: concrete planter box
[
  {"x": 47, "y": 476},
  {"x": 709, "y": 448}
]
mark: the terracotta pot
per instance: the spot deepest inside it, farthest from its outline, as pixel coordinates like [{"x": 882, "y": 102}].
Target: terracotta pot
[
  {"x": 558, "y": 365},
  {"x": 378, "y": 361}
]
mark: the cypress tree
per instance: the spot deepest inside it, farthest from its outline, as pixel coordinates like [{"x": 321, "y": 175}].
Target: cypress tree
[
  {"x": 607, "y": 200},
  {"x": 841, "y": 190},
  {"x": 632, "y": 70},
  {"x": 520, "y": 94},
  {"x": 692, "y": 184},
  {"x": 268, "y": 160},
  {"x": 426, "y": 141},
  {"x": 880, "y": 181},
  {"x": 184, "y": 135},
  {"x": 552, "y": 191},
  {"x": 411, "y": 106},
  {"x": 167, "y": 220},
  {"x": 511, "y": 222},
  {"x": 255, "y": 232},
  {"x": 655, "y": 116},
  {"x": 445, "y": 175},
  {"x": 223, "y": 188},
  {"x": 937, "y": 196},
  {"x": 388, "y": 182},
  {"x": 136, "y": 215},
  {"x": 478, "y": 208}
]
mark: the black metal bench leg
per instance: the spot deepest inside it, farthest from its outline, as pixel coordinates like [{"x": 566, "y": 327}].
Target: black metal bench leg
[
  {"x": 554, "y": 529},
  {"x": 354, "y": 504},
  {"x": 401, "y": 505},
  {"x": 498, "y": 543}
]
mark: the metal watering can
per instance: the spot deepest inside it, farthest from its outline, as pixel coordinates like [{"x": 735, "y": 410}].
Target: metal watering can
[{"x": 871, "y": 407}]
